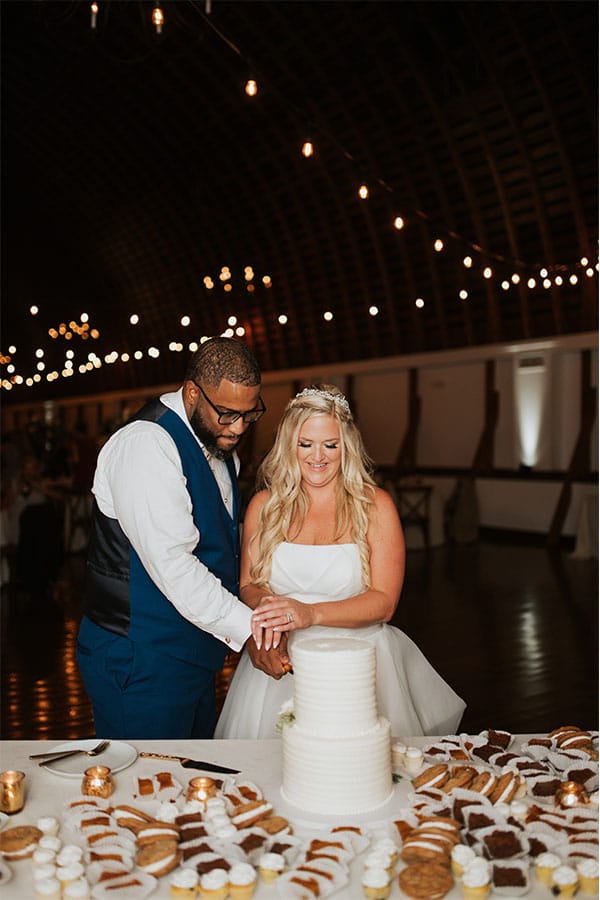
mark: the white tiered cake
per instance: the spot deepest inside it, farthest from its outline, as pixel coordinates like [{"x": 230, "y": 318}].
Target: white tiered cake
[{"x": 336, "y": 754}]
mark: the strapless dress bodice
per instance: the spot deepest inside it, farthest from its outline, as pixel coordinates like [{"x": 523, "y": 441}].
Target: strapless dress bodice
[{"x": 315, "y": 572}]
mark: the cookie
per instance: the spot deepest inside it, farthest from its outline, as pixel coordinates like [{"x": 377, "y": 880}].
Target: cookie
[
  {"x": 249, "y": 813},
  {"x": 425, "y": 881},
  {"x": 460, "y": 777},
  {"x": 155, "y": 831},
  {"x": 159, "y": 857},
  {"x": 275, "y": 825},
  {"x": 432, "y": 776},
  {"x": 19, "y": 842}
]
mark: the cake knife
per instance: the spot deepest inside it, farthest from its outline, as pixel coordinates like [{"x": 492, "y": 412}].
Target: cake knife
[{"x": 192, "y": 763}]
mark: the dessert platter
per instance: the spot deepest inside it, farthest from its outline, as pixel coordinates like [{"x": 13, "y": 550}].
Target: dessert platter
[
  {"x": 334, "y": 808},
  {"x": 477, "y": 819}
]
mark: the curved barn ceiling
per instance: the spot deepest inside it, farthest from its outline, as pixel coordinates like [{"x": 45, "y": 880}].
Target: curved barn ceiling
[{"x": 135, "y": 166}]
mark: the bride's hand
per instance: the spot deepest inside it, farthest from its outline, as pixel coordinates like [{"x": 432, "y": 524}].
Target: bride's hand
[{"x": 275, "y": 615}]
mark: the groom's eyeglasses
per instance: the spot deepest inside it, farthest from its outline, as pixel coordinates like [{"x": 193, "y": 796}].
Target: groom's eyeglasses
[{"x": 229, "y": 416}]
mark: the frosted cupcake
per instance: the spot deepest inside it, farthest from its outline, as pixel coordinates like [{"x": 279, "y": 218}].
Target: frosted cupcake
[
  {"x": 564, "y": 881},
  {"x": 398, "y": 753},
  {"x": 42, "y": 857},
  {"x": 48, "y": 825},
  {"x": 545, "y": 865},
  {"x": 242, "y": 881},
  {"x": 270, "y": 865},
  {"x": 70, "y": 872},
  {"x": 183, "y": 884},
  {"x": 460, "y": 857},
  {"x": 70, "y": 853},
  {"x": 47, "y": 889},
  {"x": 376, "y": 883},
  {"x": 214, "y": 885},
  {"x": 77, "y": 890},
  {"x": 413, "y": 760},
  {"x": 389, "y": 846},
  {"x": 587, "y": 869},
  {"x": 476, "y": 880},
  {"x": 52, "y": 842},
  {"x": 41, "y": 872},
  {"x": 380, "y": 859}
]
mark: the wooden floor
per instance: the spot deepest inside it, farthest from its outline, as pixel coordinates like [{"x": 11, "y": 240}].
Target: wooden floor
[{"x": 511, "y": 626}]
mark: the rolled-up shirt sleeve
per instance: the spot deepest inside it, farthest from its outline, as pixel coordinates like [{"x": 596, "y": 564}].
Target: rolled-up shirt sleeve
[{"x": 140, "y": 482}]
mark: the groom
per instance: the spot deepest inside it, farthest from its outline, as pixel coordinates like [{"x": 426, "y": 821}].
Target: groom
[{"x": 161, "y": 607}]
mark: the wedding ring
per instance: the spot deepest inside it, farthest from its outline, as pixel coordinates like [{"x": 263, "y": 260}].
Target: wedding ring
[{"x": 290, "y": 618}]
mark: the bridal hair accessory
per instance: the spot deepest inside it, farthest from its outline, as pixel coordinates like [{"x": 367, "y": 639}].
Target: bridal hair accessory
[{"x": 316, "y": 392}]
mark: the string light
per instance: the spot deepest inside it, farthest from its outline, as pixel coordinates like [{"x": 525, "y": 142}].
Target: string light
[
  {"x": 468, "y": 262},
  {"x": 94, "y": 13},
  {"x": 363, "y": 191},
  {"x": 251, "y": 87},
  {"x": 398, "y": 223},
  {"x": 158, "y": 19},
  {"x": 307, "y": 149},
  {"x": 438, "y": 245}
]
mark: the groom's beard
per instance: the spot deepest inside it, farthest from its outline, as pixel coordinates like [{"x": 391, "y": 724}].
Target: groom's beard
[{"x": 204, "y": 433}]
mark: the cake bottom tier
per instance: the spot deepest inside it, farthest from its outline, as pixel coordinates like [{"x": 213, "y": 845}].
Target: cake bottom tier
[{"x": 337, "y": 776}]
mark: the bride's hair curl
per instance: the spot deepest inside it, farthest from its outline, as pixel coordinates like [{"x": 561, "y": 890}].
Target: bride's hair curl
[{"x": 280, "y": 474}]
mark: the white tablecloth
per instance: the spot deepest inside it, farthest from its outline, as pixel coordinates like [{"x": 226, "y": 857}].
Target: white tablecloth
[{"x": 260, "y": 761}]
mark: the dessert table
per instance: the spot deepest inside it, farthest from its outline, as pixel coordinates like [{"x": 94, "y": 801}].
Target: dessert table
[{"x": 47, "y": 792}]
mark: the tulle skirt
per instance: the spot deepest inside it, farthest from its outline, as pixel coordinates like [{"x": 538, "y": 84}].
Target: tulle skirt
[{"x": 410, "y": 693}]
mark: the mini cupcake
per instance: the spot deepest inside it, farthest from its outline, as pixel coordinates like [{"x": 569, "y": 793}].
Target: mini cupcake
[
  {"x": 77, "y": 890},
  {"x": 380, "y": 859},
  {"x": 476, "y": 880},
  {"x": 71, "y": 872},
  {"x": 48, "y": 825},
  {"x": 398, "y": 753},
  {"x": 47, "y": 889},
  {"x": 41, "y": 872},
  {"x": 460, "y": 857},
  {"x": 376, "y": 883},
  {"x": 51, "y": 842},
  {"x": 68, "y": 854},
  {"x": 214, "y": 885},
  {"x": 564, "y": 881},
  {"x": 545, "y": 865},
  {"x": 413, "y": 760},
  {"x": 183, "y": 884},
  {"x": 388, "y": 845},
  {"x": 42, "y": 857},
  {"x": 270, "y": 865},
  {"x": 242, "y": 881},
  {"x": 587, "y": 869}
]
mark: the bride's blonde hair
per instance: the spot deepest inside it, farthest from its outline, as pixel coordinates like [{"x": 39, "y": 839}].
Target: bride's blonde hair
[{"x": 287, "y": 503}]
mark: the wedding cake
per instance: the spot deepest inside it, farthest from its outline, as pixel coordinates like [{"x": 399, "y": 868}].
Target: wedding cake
[{"x": 336, "y": 751}]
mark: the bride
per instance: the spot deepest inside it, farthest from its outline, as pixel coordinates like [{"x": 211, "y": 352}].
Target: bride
[{"x": 323, "y": 554}]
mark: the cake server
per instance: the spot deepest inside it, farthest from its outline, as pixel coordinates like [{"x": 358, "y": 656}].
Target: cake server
[{"x": 193, "y": 763}]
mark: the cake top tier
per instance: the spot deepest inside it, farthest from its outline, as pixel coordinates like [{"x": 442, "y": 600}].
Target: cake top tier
[{"x": 334, "y": 686}]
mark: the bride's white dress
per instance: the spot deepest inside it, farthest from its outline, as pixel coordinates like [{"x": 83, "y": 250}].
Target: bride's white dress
[{"x": 410, "y": 693}]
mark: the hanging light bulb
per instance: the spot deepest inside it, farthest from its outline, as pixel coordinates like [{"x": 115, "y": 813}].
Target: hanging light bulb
[
  {"x": 93, "y": 14},
  {"x": 251, "y": 87},
  {"x": 363, "y": 192},
  {"x": 398, "y": 223},
  {"x": 487, "y": 272},
  {"x": 307, "y": 149},
  {"x": 468, "y": 262},
  {"x": 158, "y": 19},
  {"x": 438, "y": 245}
]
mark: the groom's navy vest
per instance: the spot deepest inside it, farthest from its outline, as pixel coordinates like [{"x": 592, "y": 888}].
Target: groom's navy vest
[{"x": 121, "y": 596}]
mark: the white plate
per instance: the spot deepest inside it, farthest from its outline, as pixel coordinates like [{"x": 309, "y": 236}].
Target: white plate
[{"x": 117, "y": 756}]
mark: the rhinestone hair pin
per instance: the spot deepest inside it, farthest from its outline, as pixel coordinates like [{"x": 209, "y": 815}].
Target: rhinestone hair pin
[{"x": 327, "y": 395}]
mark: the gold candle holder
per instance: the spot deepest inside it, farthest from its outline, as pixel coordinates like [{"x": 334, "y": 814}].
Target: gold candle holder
[
  {"x": 97, "y": 782},
  {"x": 201, "y": 788},
  {"x": 571, "y": 793},
  {"x": 12, "y": 792}
]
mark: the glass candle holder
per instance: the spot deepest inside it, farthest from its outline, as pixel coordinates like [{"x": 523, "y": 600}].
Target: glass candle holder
[
  {"x": 97, "y": 782},
  {"x": 12, "y": 791},
  {"x": 571, "y": 793},
  {"x": 201, "y": 788}
]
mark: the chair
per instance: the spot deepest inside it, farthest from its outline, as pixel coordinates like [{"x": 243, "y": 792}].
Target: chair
[{"x": 412, "y": 502}]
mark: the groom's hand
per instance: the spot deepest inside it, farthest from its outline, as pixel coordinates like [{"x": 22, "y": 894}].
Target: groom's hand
[{"x": 274, "y": 662}]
